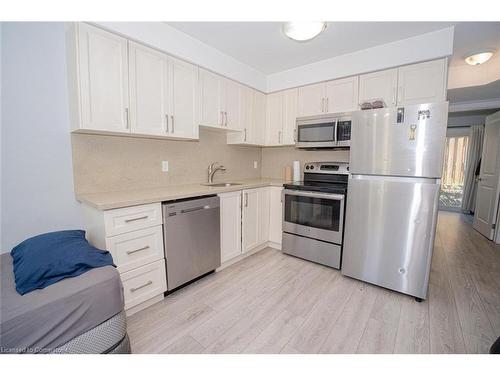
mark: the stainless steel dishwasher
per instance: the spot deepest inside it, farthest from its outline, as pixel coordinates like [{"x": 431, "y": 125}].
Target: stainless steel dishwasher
[{"x": 191, "y": 233}]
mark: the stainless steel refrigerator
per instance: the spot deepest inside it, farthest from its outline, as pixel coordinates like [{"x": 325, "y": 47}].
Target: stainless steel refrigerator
[{"x": 396, "y": 160}]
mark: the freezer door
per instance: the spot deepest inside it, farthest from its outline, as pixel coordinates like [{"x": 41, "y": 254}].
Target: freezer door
[
  {"x": 405, "y": 141},
  {"x": 389, "y": 231}
]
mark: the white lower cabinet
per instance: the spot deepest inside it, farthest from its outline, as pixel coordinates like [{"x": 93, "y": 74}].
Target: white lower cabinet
[
  {"x": 134, "y": 237},
  {"x": 230, "y": 225},
  {"x": 275, "y": 215},
  {"x": 250, "y": 220}
]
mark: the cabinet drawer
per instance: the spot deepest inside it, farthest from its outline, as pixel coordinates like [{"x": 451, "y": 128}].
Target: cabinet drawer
[
  {"x": 137, "y": 248},
  {"x": 144, "y": 283},
  {"x": 127, "y": 219}
]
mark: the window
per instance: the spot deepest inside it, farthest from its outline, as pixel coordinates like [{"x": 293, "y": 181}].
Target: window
[{"x": 452, "y": 181}]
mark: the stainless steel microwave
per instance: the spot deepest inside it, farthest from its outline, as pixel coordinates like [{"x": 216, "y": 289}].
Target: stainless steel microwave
[{"x": 324, "y": 131}]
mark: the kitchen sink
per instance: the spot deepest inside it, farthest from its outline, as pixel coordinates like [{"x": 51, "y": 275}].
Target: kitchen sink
[{"x": 222, "y": 184}]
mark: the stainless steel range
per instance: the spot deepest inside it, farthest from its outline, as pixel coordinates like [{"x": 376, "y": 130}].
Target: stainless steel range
[{"x": 313, "y": 213}]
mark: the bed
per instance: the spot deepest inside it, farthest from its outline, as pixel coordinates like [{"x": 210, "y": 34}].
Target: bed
[{"x": 83, "y": 314}]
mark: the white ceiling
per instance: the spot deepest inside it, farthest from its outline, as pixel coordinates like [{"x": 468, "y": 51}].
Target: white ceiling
[{"x": 263, "y": 46}]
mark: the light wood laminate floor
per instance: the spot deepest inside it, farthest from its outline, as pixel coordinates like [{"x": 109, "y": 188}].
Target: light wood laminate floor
[{"x": 274, "y": 303}]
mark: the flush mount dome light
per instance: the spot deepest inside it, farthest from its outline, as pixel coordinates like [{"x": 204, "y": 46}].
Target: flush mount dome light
[
  {"x": 479, "y": 58},
  {"x": 303, "y": 31}
]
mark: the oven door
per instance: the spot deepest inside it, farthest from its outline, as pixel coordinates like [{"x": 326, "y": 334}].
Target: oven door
[
  {"x": 316, "y": 132},
  {"x": 343, "y": 132},
  {"x": 314, "y": 215}
]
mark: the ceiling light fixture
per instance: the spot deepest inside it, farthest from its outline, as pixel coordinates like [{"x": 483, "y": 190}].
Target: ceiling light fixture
[
  {"x": 302, "y": 31},
  {"x": 479, "y": 58}
]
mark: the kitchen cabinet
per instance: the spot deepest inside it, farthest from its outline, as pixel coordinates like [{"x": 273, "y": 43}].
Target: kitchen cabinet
[
  {"x": 219, "y": 102},
  {"x": 257, "y": 134},
  {"x": 102, "y": 87},
  {"x": 281, "y": 117},
  {"x": 149, "y": 90},
  {"x": 381, "y": 85},
  {"x": 263, "y": 214},
  {"x": 275, "y": 215},
  {"x": 422, "y": 83},
  {"x": 340, "y": 95},
  {"x": 250, "y": 220},
  {"x": 230, "y": 225}
]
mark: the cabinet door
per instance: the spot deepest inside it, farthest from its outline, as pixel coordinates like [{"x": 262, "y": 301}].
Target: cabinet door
[
  {"x": 246, "y": 118},
  {"x": 289, "y": 116},
  {"x": 257, "y": 133},
  {"x": 250, "y": 219},
  {"x": 230, "y": 217},
  {"x": 311, "y": 100},
  {"x": 275, "y": 214},
  {"x": 183, "y": 108},
  {"x": 211, "y": 93},
  {"x": 148, "y": 90},
  {"x": 274, "y": 119},
  {"x": 422, "y": 83},
  {"x": 381, "y": 85},
  {"x": 342, "y": 95},
  {"x": 231, "y": 106},
  {"x": 263, "y": 214},
  {"x": 103, "y": 68}
]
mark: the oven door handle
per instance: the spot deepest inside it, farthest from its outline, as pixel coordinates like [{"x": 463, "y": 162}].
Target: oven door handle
[
  {"x": 335, "y": 197},
  {"x": 335, "y": 135}
]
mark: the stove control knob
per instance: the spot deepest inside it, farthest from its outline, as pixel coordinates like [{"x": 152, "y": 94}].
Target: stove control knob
[
  {"x": 312, "y": 166},
  {"x": 307, "y": 167}
]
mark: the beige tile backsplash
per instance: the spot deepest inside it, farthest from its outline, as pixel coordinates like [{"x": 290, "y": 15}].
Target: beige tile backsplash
[
  {"x": 103, "y": 163},
  {"x": 275, "y": 159}
]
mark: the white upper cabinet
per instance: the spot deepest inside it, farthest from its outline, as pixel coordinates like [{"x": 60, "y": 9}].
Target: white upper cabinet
[
  {"x": 211, "y": 93},
  {"x": 422, "y": 83},
  {"x": 311, "y": 100},
  {"x": 103, "y": 80},
  {"x": 381, "y": 85},
  {"x": 257, "y": 134},
  {"x": 149, "y": 90},
  {"x": 341, "y": 95},
  {"x": 274, "y": 119},
  {"x": 183, "y": 99},
  {"x": 289, "y": 116},
  {"x": 231, "y": 105}
]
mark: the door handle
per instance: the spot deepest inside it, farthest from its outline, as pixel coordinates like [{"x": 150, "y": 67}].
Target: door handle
[
  {"x": 245, "y": 130},
  {"x": 326, "y": 105},
  {"x": 246, "y": 199},
  {"x": 166, "y": 117},
  {"x": 279, "y": 137},
  {"x": 225, "y": 115},
  {"x": 172, "y": 117},
  {"x": 136, "y": 219},
  {"x": 127, "y": 122},
  {"x": 323, "y": 105},
  {"x": 137, "y": 250},
  {"x": 140, "y": 287}
]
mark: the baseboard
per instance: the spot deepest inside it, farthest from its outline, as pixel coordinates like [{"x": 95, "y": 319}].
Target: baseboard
[
  {"x": 274, "y": 245},
  {"x": 143, "y": 305}
]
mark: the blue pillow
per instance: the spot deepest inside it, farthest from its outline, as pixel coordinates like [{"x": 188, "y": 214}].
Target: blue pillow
[{"x": 43, "y": 260}]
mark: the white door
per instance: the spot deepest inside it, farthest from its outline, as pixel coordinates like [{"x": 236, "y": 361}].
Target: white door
[
  {"x": 148, "y": 90},
  {"x": 487, "y": 187},
  {"x": 232, "y": 99},
  {"x": 381, "y": 85},
  {"x": 274, "y": 119},
  {"x": 311, "y": 100},
  {"x": 230, "y": 225},
  {"x": 211, "y": 93},
  {"x": 289, "y": 116},
  {"x": 275, "y": 214},
  {"x": 103, "y": 64},
  {"x": 341, "y": 95},
  {"x": 258, "y": 130},
  {"x": 183, "y": 108},
  {"x": 263, "y": 218},
  {"x": 422, "y": 83},
  {"x": 250, "y": 220}
]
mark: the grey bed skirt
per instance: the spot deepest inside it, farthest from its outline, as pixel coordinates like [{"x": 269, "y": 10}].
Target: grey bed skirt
[{"x": 108, "y": 337}]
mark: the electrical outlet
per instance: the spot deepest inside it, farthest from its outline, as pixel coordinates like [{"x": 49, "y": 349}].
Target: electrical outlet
[
  {"x": 164, "y": 166},
  {"x": 255, "y": 164}
]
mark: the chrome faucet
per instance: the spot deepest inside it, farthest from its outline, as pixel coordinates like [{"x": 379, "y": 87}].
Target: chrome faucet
[{"x": 212, "y": 168}]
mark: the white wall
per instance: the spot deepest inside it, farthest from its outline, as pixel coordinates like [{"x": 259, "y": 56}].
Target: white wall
[{"x": 37, "y": 182}]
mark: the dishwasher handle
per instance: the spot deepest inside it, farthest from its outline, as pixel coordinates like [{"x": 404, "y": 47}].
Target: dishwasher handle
[{"x": 187, "y": 210}]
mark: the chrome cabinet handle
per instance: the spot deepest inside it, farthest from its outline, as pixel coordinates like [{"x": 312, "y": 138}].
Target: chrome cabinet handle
[
  {"x": 245, "y": 130},
  {"x": 172, "y": 118},
  {"x": 221, "y": 118},
  {"x": 295, "y": 135},
  {"x": 279, "y": 137},
  {"x": 323, "y": 105},
  {"x": 140, "y": 287},
  {"x": 136, "y": 218},
  {"x": 226, "y": 119},
  {"x": 166, "y": 118},
  {"x": 326, "y": 105},
  {"x": 137, "y": 250},
  {"x": 246, "y": 199},
  {"x": 127, "y": 121}
]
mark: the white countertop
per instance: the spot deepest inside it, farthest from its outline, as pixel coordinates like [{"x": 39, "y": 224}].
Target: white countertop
[{"x": 125, "y": 198}]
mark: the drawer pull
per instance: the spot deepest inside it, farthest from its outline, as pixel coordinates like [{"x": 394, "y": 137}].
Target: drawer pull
[
  {"x": 136, "y": 218},
  {"x": 140, "y": 287},
  {"x": 136, "y": 250}
]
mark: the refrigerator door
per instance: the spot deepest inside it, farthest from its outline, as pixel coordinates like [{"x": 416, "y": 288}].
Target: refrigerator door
[
  {"x": 404, "y": 141},
  {"x": 389, "y": 231}
]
